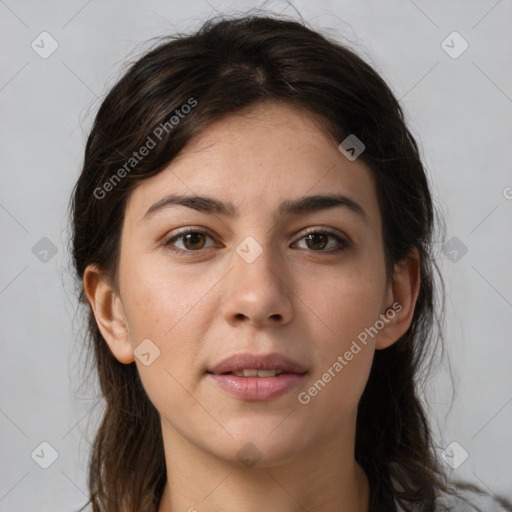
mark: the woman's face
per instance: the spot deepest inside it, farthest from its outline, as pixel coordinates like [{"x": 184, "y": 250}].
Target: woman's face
[{"x": 251, "y": 281}]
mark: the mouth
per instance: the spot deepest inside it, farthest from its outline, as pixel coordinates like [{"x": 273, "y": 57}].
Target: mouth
[
  {"x": 256, "y": 365},
  {"x": 253, "y": 372},
  {"x": 257, "y": 377}
]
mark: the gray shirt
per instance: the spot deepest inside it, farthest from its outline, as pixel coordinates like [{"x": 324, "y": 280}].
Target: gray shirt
[{"x": 471, "y": 501}]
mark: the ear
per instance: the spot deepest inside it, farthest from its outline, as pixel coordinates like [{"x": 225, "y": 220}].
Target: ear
[
  {"x": 403, "y": 294},
  {"x": 108, "y": 311}
]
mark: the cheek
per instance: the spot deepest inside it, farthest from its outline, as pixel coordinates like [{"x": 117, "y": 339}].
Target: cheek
[
  {"x": 341, "y": 311},
  {"x": 171, "y": 319},
  {"x": 341, "y": 304},
  {"x": 173, "y": 312},
  {"x": 162, "y": 304},
  {"x": 344, "y": 354}
]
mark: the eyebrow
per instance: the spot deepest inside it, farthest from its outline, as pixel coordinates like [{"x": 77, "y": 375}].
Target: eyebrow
[{"x": 300, "y": 206}]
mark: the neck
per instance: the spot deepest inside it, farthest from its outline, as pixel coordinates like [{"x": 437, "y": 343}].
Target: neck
[{"x": 326, "y": 480}]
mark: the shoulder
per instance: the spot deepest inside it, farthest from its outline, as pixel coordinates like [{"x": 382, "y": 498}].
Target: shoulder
[{"x": 469, "y": 499}]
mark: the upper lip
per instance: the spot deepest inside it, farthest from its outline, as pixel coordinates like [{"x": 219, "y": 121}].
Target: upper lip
[{"x": 239, "y": 362}]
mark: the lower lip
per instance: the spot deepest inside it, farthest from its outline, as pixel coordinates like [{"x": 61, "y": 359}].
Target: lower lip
[{"x": 257, "y": 388}]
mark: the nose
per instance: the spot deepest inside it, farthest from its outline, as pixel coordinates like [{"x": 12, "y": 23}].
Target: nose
[{"x": 257, "y": 292}]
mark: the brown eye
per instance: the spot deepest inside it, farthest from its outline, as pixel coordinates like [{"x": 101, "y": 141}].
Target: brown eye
[
  {"x": 191, "y": 240},
  {"x": 317, "y": 241}
]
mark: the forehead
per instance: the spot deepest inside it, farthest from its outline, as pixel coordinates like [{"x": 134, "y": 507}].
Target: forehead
[{"x": 259, "y": 158}]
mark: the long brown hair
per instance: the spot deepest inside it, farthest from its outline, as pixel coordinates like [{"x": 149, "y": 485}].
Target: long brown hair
[{"x": 231, "y": 63}]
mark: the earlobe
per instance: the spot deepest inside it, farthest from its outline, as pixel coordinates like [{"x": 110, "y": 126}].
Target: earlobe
[
  {"x": 405, "y": 290},
  {"x": 108, "y": 311}
]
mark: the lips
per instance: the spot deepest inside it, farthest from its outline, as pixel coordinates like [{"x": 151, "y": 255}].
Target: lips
[
  {"x": 256, "y": 377},
  {"x": 241, "y": 362}
]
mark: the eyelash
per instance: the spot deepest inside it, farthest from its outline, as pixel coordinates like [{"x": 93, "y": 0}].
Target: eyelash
[{"x": 185, "y": 252}]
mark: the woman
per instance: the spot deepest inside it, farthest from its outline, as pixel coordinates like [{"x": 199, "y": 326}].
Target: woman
[{"x": 252, "y": 233}]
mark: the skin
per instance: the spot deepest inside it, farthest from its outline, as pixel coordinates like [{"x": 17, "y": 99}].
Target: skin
[{"x": 293, "y": 299}]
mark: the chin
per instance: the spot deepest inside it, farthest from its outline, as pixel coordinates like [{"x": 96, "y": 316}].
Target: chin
[{"x": 261, "y": 445}]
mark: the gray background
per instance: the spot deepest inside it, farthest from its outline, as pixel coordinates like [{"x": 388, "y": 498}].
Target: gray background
[{"x": 459, "y": 108}]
